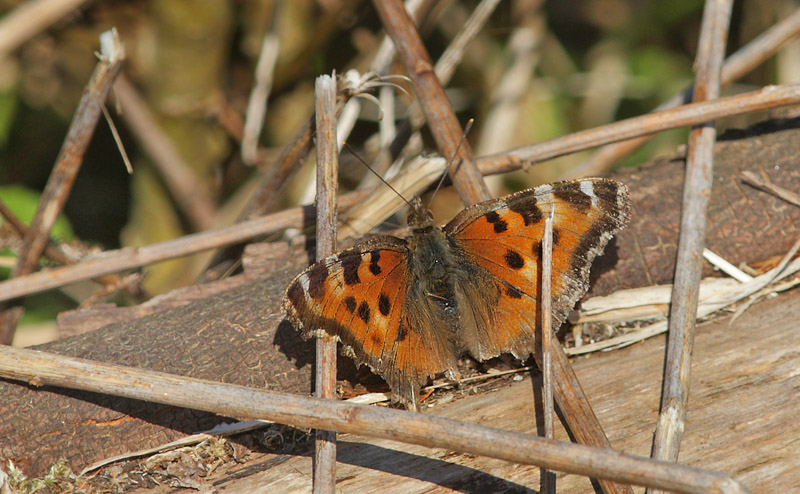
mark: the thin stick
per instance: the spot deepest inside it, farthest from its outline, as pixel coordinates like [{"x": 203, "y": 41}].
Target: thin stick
[
  {"x": 190, "y": 194},
  {"x": 691, "y": 114},
  {"x": 736, "y": 66},
  {"x": 65, "y": 170},
  {"x": 51, "y": 250},
  {"x": 689, "y": 263},
  {"x": 48, "y": 369},
  {"x": 765, "y": 184},
  {"x": 133, "y": 257},
  {"x": 30, "y": 19},
  {"x": 549, "y": 484},
  {"x": 327, "y": 184},
  {"x": 257, "y": 104},
  {"x": 441, "y": 119}
]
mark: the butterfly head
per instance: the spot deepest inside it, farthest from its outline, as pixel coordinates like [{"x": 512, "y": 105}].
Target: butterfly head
[{"x": 420, "y": 217}]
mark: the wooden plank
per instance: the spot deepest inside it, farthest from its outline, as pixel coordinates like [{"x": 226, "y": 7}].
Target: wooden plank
[{"x": 742, "y": 419}]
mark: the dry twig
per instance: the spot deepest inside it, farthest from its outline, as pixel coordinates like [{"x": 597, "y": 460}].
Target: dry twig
[
  {"x": 689, "y": 264},
  {"x": 766, "y": 185},
  {"x": 47, "y": 369},
  {"x": 327, "y": 185},
  {"x": 190, "y": 194},
  {"x": 64, "y": 171},
  {"x": 735, "y": 67},
  {"x": 546, "y": 335}
]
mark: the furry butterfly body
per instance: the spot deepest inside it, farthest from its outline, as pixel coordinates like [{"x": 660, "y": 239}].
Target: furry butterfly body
[{"x": 408, "y": 308}]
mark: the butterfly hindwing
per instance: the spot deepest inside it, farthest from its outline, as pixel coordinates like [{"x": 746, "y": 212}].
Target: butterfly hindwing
[{"x": 503, "y": 237}]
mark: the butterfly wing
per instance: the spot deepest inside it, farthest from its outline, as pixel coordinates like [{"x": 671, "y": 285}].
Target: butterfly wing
[
  {"x": 359, "y": 296},
  {"x": 503, "y": 237}
]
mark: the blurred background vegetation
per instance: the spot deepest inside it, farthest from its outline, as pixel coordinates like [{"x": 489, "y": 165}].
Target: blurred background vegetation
[{"x": 538, "y": 70}]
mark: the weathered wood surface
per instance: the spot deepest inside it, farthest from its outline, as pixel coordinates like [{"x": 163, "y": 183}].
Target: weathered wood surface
[
  {"x": 742, "y": 419},
  {"x": 238, "y": 337}
]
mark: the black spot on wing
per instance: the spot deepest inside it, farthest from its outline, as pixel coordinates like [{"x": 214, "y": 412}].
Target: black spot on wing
[
  {"x": 350, "y": 304},
  {"x": 383, "y": 304},
  {"x": 402, "y": 332},
  {"x": 374, "y": 268},
  {"x": 317, "y": 276},
  {"x": 556, "y": 236},
  {"x": 513, "y": 292},
  {"x": 575, "y": 197},
  {"x": 588, "y": 247},
  {"x": 527, "y": 208},
  {"x": 295, "y": 296},
  {"x": 363, "y": 311},
  {"x": 514, "y": 260},
  {"x": 499, "y": 225},
  {"x": 350, "y": 264}
]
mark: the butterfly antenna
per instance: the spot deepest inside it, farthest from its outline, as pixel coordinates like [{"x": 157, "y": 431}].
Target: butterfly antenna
[
  {"x": 353, "y": 152},
  {"x": 467, "y": 128}
]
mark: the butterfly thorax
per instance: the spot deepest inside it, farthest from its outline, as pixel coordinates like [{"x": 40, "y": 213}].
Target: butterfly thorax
[{"x": 431, "y": 264}]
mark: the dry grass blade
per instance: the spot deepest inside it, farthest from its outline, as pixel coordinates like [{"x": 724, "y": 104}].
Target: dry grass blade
[
  {"x": 189, "y": 192},
  {"x": 691, "y": 241},
  {"x": 382, "y": 202},
  {"x": 41, "y": 368},
  {"x": 257, "y": 104}
]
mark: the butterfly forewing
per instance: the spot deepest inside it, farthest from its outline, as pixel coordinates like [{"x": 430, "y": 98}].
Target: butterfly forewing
[
  {"x": 503, "y": 236},
  {"x": 359, "y": 296}
]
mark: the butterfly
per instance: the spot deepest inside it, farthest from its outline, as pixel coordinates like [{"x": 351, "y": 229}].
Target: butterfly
[{"x": 409, "y": 308}]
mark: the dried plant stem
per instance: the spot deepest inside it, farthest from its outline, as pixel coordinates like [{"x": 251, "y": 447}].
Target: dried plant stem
[
  {"x": 133, "y": 257},
  {"x": 327, "y": 185},
  {"x": 47, "y": 369},
  {"x": 735, "y": 67},
  {"x": 442, "y": 122},
  {"x": 51, "y": 250},
  {"x": 549, "y": 479},
  {"x": 30, "y": 19},
  {"x": 190, "y": 193},
  {"x": 257, "y": 104},
  {"x": 696, "y": 195},
  {"x": 64, "y": 171},
  {"x": 691, "y": 114},
  {"x": 766, "y": 185}
]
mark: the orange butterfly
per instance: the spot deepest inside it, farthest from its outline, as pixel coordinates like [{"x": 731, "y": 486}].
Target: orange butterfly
[{"x": 408, "y": 308}]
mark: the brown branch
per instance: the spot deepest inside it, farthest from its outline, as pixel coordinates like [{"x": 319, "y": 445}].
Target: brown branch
[
  {"x": 190, "y": 194},
  {"x": 735, "y": 67},
  {"x": 64, "y": 171},
  {"x": 442, "y": 122},
  {"x": 691, "y": 241},
  {"x": 48, "y": 369},
  {"x": 327, "y": 185}
]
